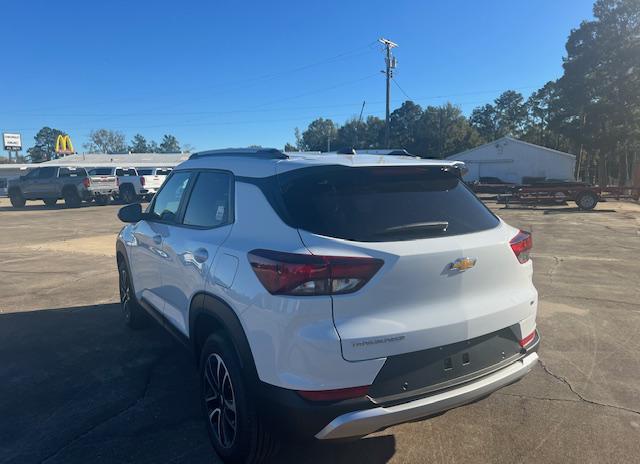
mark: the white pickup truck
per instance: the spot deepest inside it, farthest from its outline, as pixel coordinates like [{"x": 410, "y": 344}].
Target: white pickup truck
[{"x": 153, "y": 178}]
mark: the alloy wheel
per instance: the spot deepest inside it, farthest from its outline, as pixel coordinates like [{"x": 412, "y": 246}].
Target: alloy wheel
[
  {"x": 219, "y": 399},
  {"x": 125, "y": 293}
]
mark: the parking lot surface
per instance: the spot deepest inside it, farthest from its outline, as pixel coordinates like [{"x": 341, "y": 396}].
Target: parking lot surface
[{"x": 78, "y": 386}]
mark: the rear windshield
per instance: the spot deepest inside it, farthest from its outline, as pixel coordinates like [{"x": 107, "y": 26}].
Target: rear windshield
[
  {"x": 72, "y": 172},
  {"x": 162, "y": 172},
  {"x": 120, "y": 172},
  {"x": 379, "y": 204},
  {"x": 100, "y": 172},
  {"x": 145, "y": 171}
]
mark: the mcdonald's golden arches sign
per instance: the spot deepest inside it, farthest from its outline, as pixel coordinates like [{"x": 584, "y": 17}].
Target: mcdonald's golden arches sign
[{"x": 64, "y": 145}]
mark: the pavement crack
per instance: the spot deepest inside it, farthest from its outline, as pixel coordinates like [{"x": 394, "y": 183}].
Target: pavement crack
[
  {"x": 580, "y": 396},
  {"x": 140, "y": 397}
]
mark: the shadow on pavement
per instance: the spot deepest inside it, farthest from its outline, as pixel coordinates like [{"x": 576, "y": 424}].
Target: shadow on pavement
[{"x": 78, "y": 386}]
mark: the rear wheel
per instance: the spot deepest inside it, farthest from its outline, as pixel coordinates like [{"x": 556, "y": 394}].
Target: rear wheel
[
  {"x": 50, "y": 201},
  {"x": 235, "y": 429},
  {"x": 587, "y": 201},
  {"x": 71, "y": 198},
  {"x": 102, "y": 200},
  {"x": 17, "y": 199},
  {"x": 127, "y": 193},
  {"x": 134, "y": 315}
]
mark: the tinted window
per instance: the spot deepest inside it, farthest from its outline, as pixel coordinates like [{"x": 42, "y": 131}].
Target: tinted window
[
  {"x": 145, "y": 172},
  {"x": 33, "y": 174},
  {"x": 163, "y": 172},
  {"x": 210, "y": 200},
  {"x": 376, "y": 204},
  {"x": 47, "y": 173},
  {"x": 101, "y": 172},
  {"x": 72, "y": 172},
  {"x": 167, "y": 200},
  {"x": 126, "y": 172}
]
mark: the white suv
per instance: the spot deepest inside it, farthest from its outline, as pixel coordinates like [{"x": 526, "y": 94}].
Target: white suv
[{"x": 329, "y": 296}]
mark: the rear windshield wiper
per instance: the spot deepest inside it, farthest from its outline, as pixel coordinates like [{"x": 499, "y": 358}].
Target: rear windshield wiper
[{"x": 434, "y": 226}]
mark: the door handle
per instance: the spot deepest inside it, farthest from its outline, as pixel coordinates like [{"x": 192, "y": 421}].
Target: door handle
[
  {"x": 201, "y": 255},
  {"x": 157, "y": 239}
]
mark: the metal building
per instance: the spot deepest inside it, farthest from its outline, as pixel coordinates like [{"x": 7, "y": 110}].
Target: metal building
[{"x": 510, "y": 160}]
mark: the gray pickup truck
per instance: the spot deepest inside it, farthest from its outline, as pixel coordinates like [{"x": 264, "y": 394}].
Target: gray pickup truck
[{"x": 52, "y": 183}]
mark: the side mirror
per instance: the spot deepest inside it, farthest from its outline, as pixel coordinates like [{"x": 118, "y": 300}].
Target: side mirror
[{"x": 131, "y": 213}]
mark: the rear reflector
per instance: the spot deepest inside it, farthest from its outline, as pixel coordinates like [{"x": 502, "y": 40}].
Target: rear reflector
[
  {"x": 86, "y": 182},
  {"x": 299, "y": 274},
  {"x": 528, "y": 339},
  {"x": 142, "y": 181},
  {"x": 521, "y": 245},
  {"x": 334, "y": 395}
]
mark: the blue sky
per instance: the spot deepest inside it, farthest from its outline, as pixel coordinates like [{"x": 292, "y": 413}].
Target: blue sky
[{"x": 219, "y": 74}]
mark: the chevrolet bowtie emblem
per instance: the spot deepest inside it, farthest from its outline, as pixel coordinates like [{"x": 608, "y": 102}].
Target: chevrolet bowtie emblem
[{"x": 462, "y": 264}]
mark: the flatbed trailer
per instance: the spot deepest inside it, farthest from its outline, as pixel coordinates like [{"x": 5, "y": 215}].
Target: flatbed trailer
[{"x": 584, "y": 195}]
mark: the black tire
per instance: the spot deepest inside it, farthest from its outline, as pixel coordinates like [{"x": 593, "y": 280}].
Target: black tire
[
  {"x": 243, "y": 436},
  {"x": 102, "y": 200},
  {"x": 128, "y": 194},
  {"x": 71, "y": 198},
  {"x": 50, "y": 201},
  {"x": 587, "y": 201},
  {"x": 17, "y": 199},
  {"x": 134, "y": 315}
]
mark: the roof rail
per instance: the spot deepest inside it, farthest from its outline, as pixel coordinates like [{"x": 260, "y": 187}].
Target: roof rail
[{"x": 263, "y": 153}]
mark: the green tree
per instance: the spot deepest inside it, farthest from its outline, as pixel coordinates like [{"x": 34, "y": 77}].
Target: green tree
[
  {"x": 511, "y": 113},
  {"x": 45, "y": 145},
  {"x": 485, "y": 120},
  {"x": 600, "y": 89},
  {"x": 403, "y": 123},
  {"x": 443, "y": 131},
  {"x": 318, "y": 136},
  {"x": 139, "y": 144},
  {"x": 289, "y": 147},
  {"x": 169, "y": 144},
  {"x": 106, "y": 141}
]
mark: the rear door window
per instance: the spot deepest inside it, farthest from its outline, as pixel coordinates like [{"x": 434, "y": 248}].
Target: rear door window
[
  {"x": 210, "y": 201},
  {"x": 378, "y": 204},
  {"x": 47, "y": 173}
]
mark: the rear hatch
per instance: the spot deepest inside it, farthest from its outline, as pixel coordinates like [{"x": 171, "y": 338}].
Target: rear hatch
[
  {"x": 103, "y": 179},
  {"x": 421, "y": 221}
]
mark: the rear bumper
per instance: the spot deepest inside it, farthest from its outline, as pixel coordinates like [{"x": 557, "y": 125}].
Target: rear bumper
[{"x": 360, "y": 423}]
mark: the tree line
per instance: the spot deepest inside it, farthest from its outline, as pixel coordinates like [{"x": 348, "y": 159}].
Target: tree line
[
  {"x": 102, "y": 141},
  {"x": 592, "y": 111}
]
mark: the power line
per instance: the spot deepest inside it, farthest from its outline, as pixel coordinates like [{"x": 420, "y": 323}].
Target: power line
[{"x": 401, "y": 89}]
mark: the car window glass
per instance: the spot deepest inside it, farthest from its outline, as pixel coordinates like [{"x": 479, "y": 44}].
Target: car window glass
[
  {"x": 145, "y": 172},
  {"x": 100, "y": 172},
  {"x": 167, "y": 200},
  {"x": 47, "y": 173},
  {"x": 32, "y": 174},
  {"x": 209, "y": 201}
]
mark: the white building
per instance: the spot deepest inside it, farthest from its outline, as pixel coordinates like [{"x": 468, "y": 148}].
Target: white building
[{"x": 510, "y": 160}]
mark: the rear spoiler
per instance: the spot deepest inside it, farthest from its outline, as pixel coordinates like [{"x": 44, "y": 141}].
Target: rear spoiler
[{"x": 459, "y": 167}]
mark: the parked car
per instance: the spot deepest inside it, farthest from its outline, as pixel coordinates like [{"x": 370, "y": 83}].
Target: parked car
[
  {"x": 51, "y": 183},
  {"x": 104, "y": 177},
  {"x": 153, "y": 180},
  {"x": 329, "y": 296},
  {"x": 130, "y": 184}
]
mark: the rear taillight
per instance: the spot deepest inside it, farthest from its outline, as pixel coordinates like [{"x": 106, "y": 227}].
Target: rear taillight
[
  {"x": 298, "y": 274},
  {"x": 521, "y": 245},
  {"x": 117, "y": 182},
  {"x": 528, "y": 339},
  {"x": 142, "y": 181},
  {"x": 334, "y": 395},
  {"x": 86, "y": 182}
]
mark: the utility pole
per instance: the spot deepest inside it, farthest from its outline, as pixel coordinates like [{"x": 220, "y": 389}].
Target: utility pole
[{"x": 390, "y": 63}]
